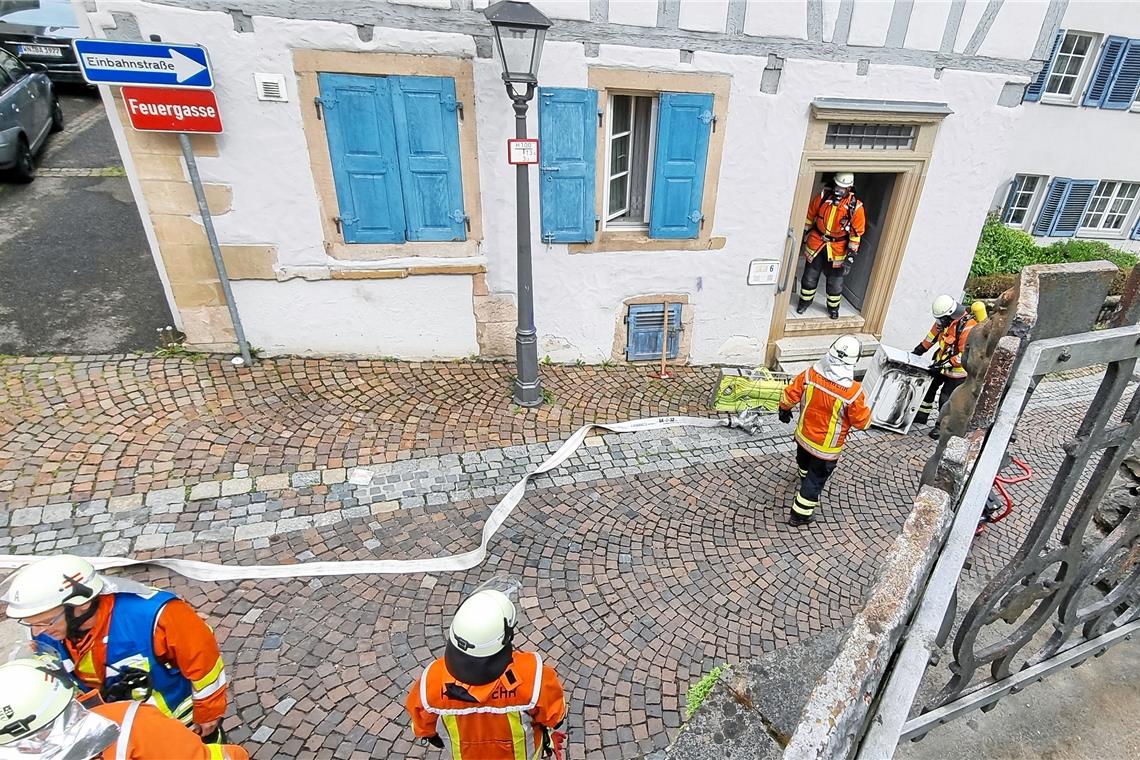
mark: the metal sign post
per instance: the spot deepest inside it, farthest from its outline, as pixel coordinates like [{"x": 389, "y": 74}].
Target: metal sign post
[{"x": 211, "y": 236}]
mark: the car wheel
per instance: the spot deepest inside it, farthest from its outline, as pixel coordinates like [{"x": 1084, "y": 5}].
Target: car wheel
[
  {"x": 25, "y": 169},
  {"x": 56, "y": 116}
]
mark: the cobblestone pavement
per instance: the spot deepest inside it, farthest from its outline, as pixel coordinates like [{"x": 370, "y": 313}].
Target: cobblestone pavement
[{"x": 646, "y": 559}]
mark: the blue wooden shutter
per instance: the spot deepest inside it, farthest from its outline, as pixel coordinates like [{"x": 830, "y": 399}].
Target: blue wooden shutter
[
  {"x": 684, "y": 123},
  {"x": 1136, "y": 231},
  {"x": 1047, "y": 216},
  {"x": 1037, "y": 87},
  {"x": 1073, "y": 207},
  {"x": 568, "y": 135},
  {"x": 1105, "y": 70},
  {"x": 1014, "y": 184},
  {"x": 1122, "y": 92},
  {"x": 427, "y": 133},
  {"x": 362, "y": 146},
  {"x": 646, "y": 326}
]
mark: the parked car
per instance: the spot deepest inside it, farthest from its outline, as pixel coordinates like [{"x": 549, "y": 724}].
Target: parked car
[
  {"x": 29, "y": 112},
  {"x": 41, "y": 31}
]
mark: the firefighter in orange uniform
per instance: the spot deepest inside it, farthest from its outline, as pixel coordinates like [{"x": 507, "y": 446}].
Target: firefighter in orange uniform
[
  {"x": 831, "y": 402},
  {"x": 953, "y": 323},
  {"x": 484, "y": 700},
  {"x": 40, "y": 718},
  {"x": 833, "y": 230},
  {"x": 128, "y": 641}
]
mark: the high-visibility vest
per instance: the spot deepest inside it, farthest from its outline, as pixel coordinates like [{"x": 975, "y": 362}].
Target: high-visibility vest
[
  {"x": 503, "y": 720},
  {"x": 951, "y": 341},
  {"x": 827, "y": 411},
  {"x": 130, "y": 644},
  {"x": 145, "y": 734},
  {"x": 836, "y": 226}
]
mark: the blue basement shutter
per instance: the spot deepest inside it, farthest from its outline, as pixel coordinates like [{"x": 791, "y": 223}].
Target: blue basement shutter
[
  {"x": 567, "y": 143},
  {"x": 1005, "y": 211},
  {"x": 427, "y": 133},
  {"x": 1122, "y": 92},
  {"x": 1105, "y": 70},
  {"x": 1073, "y": 207},
  {"x": 362, "y": 146},
  {"x": 1058, "y": 188},
  {"x": 646, "y": 325},
  {"x": 1037, "y": 87},
  {"x": 684, "y": 123}
]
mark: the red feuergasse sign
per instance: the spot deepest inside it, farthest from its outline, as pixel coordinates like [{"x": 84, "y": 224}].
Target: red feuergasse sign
[{"x": 160, "y": 109}]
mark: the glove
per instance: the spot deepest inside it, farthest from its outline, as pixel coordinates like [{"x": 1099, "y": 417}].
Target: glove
[
  {"x": 918, "y": 350},
  {"x": 847, "y": 264},
  {"x": 434, "y": 741},
  {"x": 785, "y": 415}
]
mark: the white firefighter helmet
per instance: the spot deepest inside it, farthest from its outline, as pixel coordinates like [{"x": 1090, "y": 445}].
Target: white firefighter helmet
[
  {"x": 943, "y": 306},
  {"x": 846, "y": 349},
  {"x": 844, "y": 179},
  {"x": 49, "y": 583},
  {"x": 483, "y": 623},
  {"x": 39, "y": 719}
]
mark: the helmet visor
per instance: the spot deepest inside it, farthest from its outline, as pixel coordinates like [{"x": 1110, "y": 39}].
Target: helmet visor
[{"x": 75, "y": 734}]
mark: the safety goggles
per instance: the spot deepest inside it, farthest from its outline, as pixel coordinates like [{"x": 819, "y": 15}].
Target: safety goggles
[{"x": 42, "y": 623}]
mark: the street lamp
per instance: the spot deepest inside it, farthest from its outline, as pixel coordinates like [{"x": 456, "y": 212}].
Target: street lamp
[{"x": 519, "y": 32}]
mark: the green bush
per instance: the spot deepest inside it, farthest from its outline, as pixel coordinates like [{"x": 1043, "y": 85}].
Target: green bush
[
  {"x": 1002, "y": 250},
  {"x": 1086, "y": 250}
]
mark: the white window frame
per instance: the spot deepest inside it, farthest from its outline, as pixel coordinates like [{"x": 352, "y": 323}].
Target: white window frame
[
  {"x": 607, "y": 217},
  {"x": 1034, "y": 199},
  {"x": 1082, "y": 75},
  {"x": 1111, "y": 200}
]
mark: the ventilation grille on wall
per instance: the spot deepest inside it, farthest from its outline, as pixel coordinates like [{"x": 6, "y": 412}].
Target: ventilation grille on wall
[
  {"x": 271, "y": 87},
  {"x": 870, "y": 136}
]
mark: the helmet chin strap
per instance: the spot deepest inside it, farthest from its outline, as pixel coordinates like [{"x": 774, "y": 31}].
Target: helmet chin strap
[{"x": 75, "y": 622}]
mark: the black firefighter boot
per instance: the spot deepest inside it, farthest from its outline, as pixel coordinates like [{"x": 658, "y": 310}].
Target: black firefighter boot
[
  {"x": 802, "y": 306},
  {"x": 833, "y": 312}
]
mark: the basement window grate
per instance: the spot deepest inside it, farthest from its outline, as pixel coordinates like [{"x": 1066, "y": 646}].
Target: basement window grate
[{"x": 871, "y": 136}]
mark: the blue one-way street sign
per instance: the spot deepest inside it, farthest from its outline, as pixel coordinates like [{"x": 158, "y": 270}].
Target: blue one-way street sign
[{"x": 154, "y": 64}]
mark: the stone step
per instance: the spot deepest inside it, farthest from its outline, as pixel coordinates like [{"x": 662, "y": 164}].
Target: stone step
[{"x": 808, "y": 348}]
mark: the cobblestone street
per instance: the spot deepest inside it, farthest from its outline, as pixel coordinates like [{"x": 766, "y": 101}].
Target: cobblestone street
[{"x": 646, "y": 559}]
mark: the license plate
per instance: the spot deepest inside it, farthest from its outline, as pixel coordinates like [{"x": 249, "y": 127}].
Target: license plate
[{"x": 43, "y": 50}]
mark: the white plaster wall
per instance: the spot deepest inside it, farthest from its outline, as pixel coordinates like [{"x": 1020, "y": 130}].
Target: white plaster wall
[
  {"x": 1015, "y": 30},
  {"x": 830, "y": 16},
  {"x": 578, "y": 10},
  {"x": 927, "y": 24},
  {"x": 704, "y": 15},
  {"x": 869, "y": 22},
  {"x": 971, "y": 14},
  {"x": 636, "y": 12},
  {"x": 776, "y": 18},
  {"x": 1106, "y": 16},
  {"x": 426, "y": 317}
]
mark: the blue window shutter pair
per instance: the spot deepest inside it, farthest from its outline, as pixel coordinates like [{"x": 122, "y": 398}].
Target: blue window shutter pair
[
  {"x": 646, "y": 324},
  {"x": 1064, "y": 207},
  {"x": 683, "y": 129},
  {"x": 1126, "y": 79},
  {"x": 394, "y": 144},
  {"x": 1105, "y": 70},
  {"x": 1037, "y": 87},
  {"x": 567, "y": 145},
  {"x": 568, "y": 136}
]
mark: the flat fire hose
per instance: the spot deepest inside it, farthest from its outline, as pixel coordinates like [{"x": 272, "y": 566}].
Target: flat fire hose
[{"x": 210, "y": 571}]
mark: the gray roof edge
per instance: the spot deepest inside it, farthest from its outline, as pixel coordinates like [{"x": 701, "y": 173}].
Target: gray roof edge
[{"x": 879, "y": 106}]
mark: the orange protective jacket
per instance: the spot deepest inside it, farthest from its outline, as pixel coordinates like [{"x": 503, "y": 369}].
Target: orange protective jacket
[
  {"x": 180, "y": 637},
  {"x": 505, "y": 721},
  {"x": 951, "y": 342},
  {"x": 837, "y": 226},
  {"x": 827, "y": 411},
  {"x": 150, "y": 735}
]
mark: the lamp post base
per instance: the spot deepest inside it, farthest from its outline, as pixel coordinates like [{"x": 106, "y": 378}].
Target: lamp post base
[{"x": 528, "y": 394}]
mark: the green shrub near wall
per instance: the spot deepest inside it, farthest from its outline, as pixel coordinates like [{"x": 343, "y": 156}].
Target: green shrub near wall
[{"x": 1003, "y": 252}]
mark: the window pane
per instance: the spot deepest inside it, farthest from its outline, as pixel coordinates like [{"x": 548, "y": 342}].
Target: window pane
[
  {"x": 621, "y": 113},
  {"x": 619, "y": 186},
  {"x": 619, "y": 155},
  {"x": 1017, "y": 216},
  {"x": 1081, "y": 47}
]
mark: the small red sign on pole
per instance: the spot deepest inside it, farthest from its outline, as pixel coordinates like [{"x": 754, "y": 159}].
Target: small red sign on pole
[
  {"x": 158, "y": 109},
  {"x": 522, "y": 151}
]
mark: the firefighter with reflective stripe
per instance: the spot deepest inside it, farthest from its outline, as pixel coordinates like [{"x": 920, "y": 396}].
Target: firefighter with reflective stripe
[
  {"x": 483, "y": 700},
  {"x": 41, "y": 720},
  {"x": 124, "y": 639},
  {"x": 833, "y": 230},
  {"x": 831, "y": 403},
  {"x": 953, "y": 323}
]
